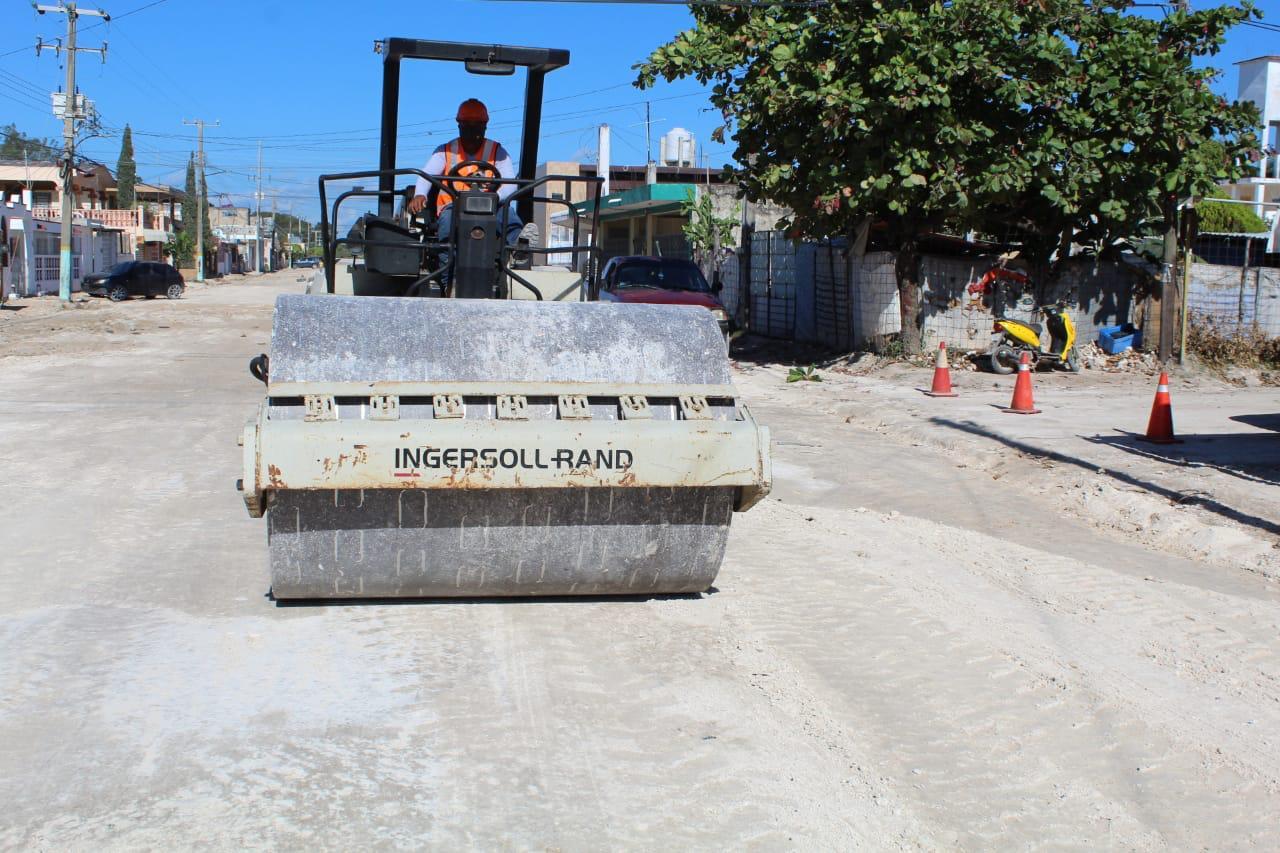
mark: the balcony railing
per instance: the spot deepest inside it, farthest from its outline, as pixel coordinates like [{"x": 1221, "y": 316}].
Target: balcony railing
[
  {"x": 130, "y": 220},
  {"x": 116, "y": 218}
]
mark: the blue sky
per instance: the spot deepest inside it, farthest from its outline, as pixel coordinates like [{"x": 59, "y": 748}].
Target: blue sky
[{"x": 302, "y": 78}]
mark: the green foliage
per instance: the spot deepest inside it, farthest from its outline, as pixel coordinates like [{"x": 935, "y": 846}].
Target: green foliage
[
  {"x": 804, "y": 374},
  {"x": 889, "y": 346},
  {"x": 189, "y": 202},
  {"x": 1052, "y": 121},
  {"x": 126, "y": 172},
  {"x": 209, "y": 240},
  {"x": 1219, "y": 218},
  {"x": 191, "y": 218},
  {"x": 15, "y": 145},
  {"x": 287, "y": 223},
  {"x": 182, "y": 245},
  {"x": 706, "y": 231}
]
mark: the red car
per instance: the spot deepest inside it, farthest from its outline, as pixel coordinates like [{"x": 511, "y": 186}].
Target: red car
[{"x": 660, "y": 281}]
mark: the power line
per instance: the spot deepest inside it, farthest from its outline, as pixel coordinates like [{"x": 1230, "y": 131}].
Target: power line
[
  {"x": 91, "y": 26},
  {"x": 250, "y": 142},
  {"x": 40, "y": 109},
  {"x": 146, "y": 79},
  {"x": 26, "y": 84}
]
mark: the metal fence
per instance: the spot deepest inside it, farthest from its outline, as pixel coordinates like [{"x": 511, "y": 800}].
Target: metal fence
[
  {"x": 1234, "y": 250},
  {"x": 732, "y": 294},
  {"x": 48, "y": 271},
  {"x": 672, "y": 246},
  {"x": 773, "y": 285},
  {"x": 833, "y": 297}
]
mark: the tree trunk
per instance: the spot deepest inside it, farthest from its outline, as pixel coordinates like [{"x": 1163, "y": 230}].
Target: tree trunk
[
  {"x": 907, "y": 271},
  {"x": 1168, "y": 285}
]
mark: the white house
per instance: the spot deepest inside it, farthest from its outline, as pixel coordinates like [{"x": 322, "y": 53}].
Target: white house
[{"x": 34, "y": 245}]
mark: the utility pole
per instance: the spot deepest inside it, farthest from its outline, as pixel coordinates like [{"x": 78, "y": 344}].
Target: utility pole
[
  {"x": 275, "y": 231},
  {"x": 72, "y": 108},
  {"x": 648, "y": 141},
  {"x": 258, "y": 216},
  {"x": 650, "y": 168},
  {"x": 200, "y": 200}
]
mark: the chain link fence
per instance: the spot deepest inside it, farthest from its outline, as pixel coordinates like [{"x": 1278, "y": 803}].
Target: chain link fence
[{"x": 1235, "y": 301}]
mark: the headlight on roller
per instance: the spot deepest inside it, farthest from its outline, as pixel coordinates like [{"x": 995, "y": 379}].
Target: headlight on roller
[{"x": 720, "y": 314}]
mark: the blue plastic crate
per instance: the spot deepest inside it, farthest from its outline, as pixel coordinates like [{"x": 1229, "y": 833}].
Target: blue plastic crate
[{"x": 1114, "y": 339}]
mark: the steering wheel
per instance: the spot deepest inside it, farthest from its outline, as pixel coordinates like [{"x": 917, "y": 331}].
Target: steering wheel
[{"x": 481, "y": 166}]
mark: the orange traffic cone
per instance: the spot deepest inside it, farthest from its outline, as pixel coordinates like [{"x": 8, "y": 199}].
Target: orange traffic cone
[
  {"x": 1023, "y": 403},
  {"x": 941, "y": 375},
  {"x": 1160, "y": 427}
]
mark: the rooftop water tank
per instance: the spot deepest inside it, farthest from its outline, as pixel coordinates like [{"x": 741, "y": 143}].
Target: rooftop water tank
[{"x": 677, "y": 147}]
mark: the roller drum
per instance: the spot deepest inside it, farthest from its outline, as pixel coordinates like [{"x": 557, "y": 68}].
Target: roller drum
[{"x": 389, "y": 543}]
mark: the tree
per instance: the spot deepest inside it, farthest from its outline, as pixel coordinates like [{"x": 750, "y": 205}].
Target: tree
[
  {"x": 1051, "y": 121},
  {"x": 189, "y": 201},
  {"x": 706, "y": 231},
  {"x": 126, "y": 172},
  {"x": 17, "y": 146},
  {"x": 183, "y": 248},
  {"x": 209, "y": 240},
  {"x": 1138, "y": 130}
]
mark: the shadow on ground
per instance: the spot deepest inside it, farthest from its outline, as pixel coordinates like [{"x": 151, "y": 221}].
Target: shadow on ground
[
  {"x": 1255, "y": 458},
  {"x": 507, "y": 601},
  {"x": 1174, "y": 496},
  {"x": 1269, "y": 421},
  {"x": 754, "y": 349}
]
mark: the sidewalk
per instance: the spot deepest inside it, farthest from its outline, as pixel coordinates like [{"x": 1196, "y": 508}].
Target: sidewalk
[{"x": 1215, "y": 496}]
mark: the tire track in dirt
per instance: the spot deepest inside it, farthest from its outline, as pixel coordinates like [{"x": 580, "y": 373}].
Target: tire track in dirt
[{"x": 1021, "y": 720}]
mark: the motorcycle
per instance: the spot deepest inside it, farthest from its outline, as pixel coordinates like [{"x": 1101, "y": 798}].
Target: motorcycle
[{"x": 1011, "y": 338}]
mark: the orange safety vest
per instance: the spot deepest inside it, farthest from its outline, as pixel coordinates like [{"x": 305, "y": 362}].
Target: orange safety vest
[{"x": 453, "y": 154}]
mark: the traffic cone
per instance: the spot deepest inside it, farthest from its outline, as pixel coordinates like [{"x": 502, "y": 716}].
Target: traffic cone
[
  {"x": 1023, "y": 403},
  {"x": 941, "y": 375},
  {"x": 1160, "y": 426}
]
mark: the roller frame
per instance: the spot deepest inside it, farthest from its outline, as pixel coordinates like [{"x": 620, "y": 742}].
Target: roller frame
[{"x": 356, "y": 453}]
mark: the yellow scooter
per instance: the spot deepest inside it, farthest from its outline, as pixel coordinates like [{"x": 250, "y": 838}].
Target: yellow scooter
[{"x": 1012, "y": 338}]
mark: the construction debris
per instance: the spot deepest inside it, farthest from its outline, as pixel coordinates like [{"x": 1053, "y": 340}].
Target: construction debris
[{"x": 1128, "y": 361}]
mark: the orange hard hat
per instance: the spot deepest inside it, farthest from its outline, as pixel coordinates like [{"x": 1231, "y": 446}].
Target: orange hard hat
[{"x": 473, "y": 110}]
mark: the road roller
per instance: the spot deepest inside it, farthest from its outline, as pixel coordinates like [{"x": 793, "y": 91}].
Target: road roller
[{"x": 452, "y": 412}]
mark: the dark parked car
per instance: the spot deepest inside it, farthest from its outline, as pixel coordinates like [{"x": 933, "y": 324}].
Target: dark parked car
[
  {"x": 660, "y": 281},
  {"x": 307, "y": 263},
  {"x": 135, "y": 278}
]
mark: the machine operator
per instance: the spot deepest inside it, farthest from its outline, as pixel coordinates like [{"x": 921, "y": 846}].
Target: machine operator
[{"x": 470, "y": 144}]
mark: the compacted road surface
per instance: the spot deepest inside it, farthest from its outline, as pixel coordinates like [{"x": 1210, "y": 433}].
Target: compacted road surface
[{"x": 900, "y": 650}]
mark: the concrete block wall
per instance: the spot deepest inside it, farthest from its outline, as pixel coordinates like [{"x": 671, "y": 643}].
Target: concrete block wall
[{"x": 812, "y": 292}]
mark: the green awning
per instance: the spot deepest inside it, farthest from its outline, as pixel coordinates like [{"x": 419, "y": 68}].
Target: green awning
[{"x": 641, "y": 201}]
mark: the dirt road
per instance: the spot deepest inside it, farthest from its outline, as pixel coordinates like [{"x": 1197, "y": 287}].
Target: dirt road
[{"x": 904, "y": 648}]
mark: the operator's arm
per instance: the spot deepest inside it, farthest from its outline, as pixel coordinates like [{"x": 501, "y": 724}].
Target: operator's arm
[
  {"x": 506, "y": 169},
  {"x": 434, "y": 166}
]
